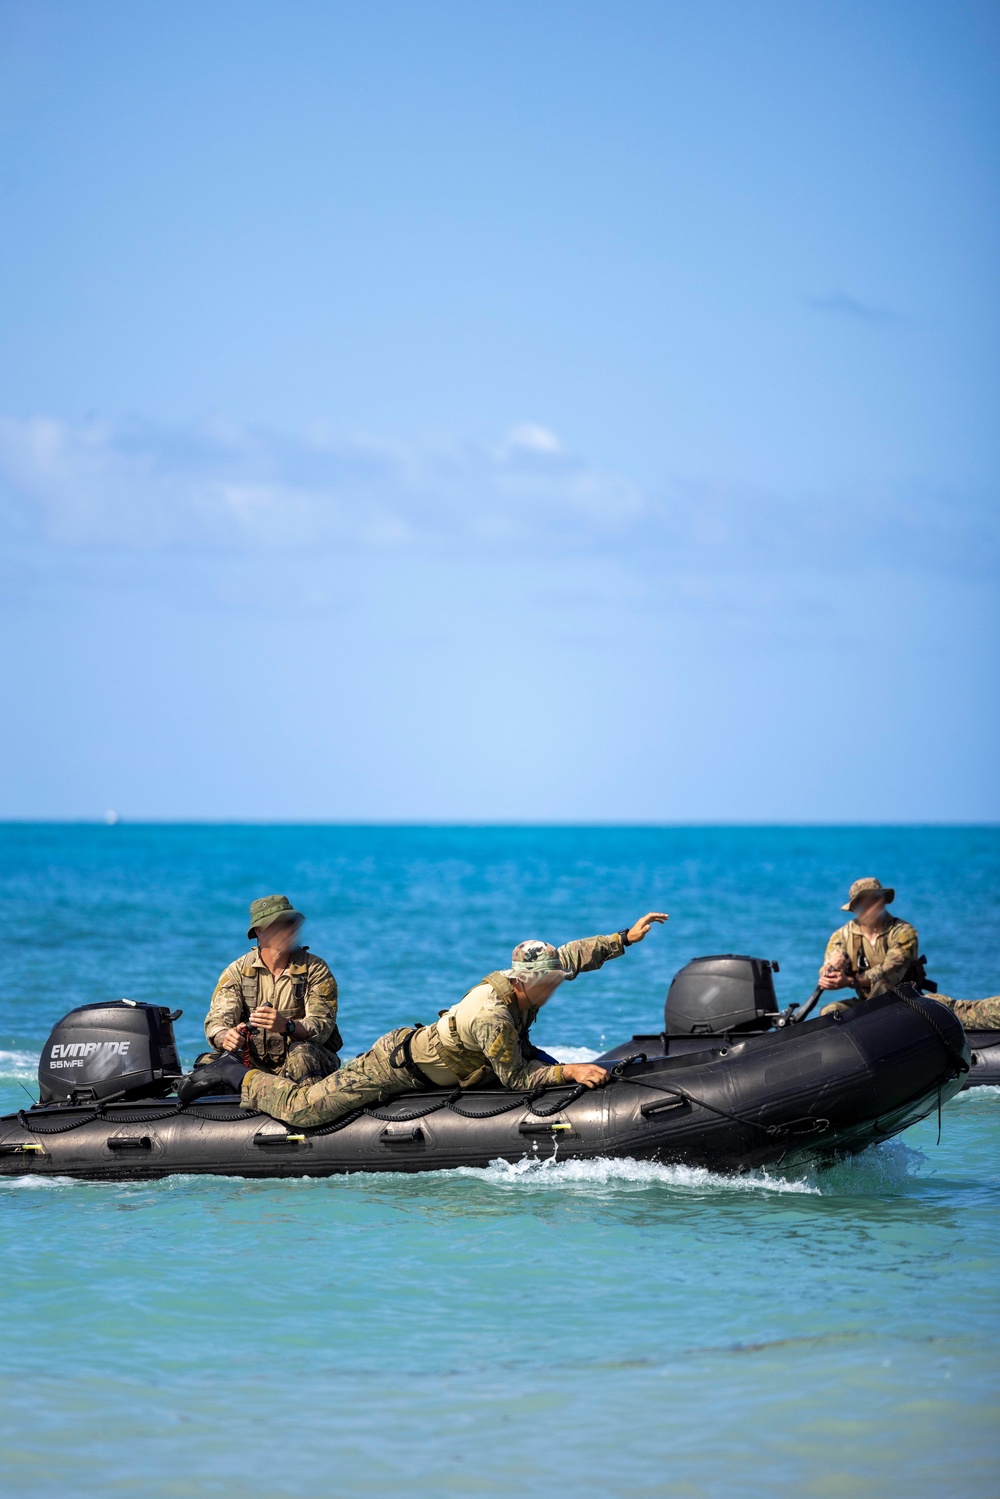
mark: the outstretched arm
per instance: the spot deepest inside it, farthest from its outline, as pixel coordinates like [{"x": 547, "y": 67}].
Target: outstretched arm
[
  {"x": 592, "y": 952},
  {"x": 636, "y": 933}
]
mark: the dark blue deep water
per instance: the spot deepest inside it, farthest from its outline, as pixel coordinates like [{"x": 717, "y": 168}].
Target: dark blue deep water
[{"x": 608, "y": 1329}]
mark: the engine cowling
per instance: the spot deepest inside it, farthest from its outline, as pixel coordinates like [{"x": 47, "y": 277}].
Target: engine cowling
[
  {"x": 117, "y": 1050},
  {"x": 727, "y": 992}
]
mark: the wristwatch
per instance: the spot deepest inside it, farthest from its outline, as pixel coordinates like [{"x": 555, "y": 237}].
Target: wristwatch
[
  {"x": 623, "y": 934},
  {"x": 289, "y": 1026}
]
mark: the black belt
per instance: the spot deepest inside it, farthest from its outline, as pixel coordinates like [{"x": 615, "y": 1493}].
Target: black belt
[{"x": 401, "y": 1056}]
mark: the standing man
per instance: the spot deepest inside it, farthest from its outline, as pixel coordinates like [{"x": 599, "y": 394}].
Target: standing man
[
  {"x": 484, "y": 1037},
  {"x": 276, "y": 1007},
  {"x": 875, "y": 951}
]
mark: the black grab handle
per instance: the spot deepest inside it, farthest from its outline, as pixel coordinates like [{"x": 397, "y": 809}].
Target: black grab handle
[{"x": 809, "y": 1006}]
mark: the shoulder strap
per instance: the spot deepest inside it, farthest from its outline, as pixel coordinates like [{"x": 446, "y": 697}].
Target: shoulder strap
[
  {"x": 299, "y": 974},
  {"x": 854, "y": 943},
  {"x": 501, "y": 986},
  {"x": 249, "y": 982},
  {"x": 505, "y": 991}
]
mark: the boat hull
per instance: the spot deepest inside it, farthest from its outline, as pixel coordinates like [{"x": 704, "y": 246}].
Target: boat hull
[
  {"x": 830, "y": 1087},
  {"x": 984, "y": 1047},
  {"x": 984, "y": 1050}
]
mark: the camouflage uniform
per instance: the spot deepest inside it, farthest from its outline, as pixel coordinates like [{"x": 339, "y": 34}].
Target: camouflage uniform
[
  {"x": 892, "y": 958},
  {"x": 306, "y": 990},
  {"x": 484, "y": 1037},
  {"x": 873, "y": 965},
  {"x": 975, "y": 1014}
]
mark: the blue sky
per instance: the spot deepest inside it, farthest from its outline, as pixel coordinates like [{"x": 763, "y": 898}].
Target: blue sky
[{"x": 500, "y": 411}]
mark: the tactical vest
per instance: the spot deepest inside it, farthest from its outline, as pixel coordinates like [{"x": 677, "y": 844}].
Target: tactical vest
[
  {"x": 468, "y": 1064},
  {"x": 854, "y": 944},
  {"x": 276, "y": 1047}
]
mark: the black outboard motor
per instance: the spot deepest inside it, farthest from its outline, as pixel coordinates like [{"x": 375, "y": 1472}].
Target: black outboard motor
[
  {"x": 118, "y": 1050},
  {"x": 729, "y": 992}
]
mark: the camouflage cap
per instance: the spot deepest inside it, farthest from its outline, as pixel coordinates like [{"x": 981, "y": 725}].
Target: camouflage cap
[
  {"x": 869, "y": 886},
  {"x": 269, "y": 909},
  {"x": 534, "y": 957}
]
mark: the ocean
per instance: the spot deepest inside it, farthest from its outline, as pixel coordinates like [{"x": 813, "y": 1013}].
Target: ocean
[{"x": 601, "y": 1329}]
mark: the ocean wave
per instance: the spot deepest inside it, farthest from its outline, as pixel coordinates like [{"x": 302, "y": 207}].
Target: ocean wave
[
  {"x": 988, "y": 1091},
  {"x": 606, "y": 1171},
  {"x": 18, "y": 1064},
  {"x": 886, "y": 1168},
  {"x": 572, "y": 1053},
  {"x": 883, "y": 1169},
  {"x": 37, "y": 1183}
]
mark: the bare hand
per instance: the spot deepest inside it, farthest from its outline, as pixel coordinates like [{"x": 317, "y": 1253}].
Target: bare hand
[
  {"x": 836, "y": 974},
  {"x": 642, "y": 926},
  {"x": 230, "y": 1040},
  {"x": 268, "y": 1019},
  {"x": 587, "y": 1073}
]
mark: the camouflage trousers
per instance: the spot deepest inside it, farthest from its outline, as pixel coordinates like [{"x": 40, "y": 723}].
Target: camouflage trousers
[
  {"x": 975, "y": 1014},
  {"x": 304, "y": 1060},
  {"x": 371, "y": 1078}
]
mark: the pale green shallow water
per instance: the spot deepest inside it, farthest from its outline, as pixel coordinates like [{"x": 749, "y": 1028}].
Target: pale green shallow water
[{"x": 608, "y": 1329}]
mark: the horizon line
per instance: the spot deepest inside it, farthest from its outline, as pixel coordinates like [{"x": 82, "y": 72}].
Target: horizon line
[{"x": 466, "y": 824}]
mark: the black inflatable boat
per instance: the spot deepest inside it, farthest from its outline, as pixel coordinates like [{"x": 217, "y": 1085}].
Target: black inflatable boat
[
  {"x": 731, "y": 1101},
  {"x": 731, "y": 994}
]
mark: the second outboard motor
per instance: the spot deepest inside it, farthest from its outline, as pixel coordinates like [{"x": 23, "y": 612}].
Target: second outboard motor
[
  {"x": 729, "y": 992},
  {"x": 117, "y": 1050}
]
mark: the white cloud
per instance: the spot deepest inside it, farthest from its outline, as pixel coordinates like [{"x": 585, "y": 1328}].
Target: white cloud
[
  {"x": 222, "y": 485},
  {"x": 538, "y": 439},
  {"x": 218, "y": 486}
]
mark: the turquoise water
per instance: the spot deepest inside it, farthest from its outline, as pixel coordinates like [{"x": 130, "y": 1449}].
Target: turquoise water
[{"x": 602, "y": 1329}]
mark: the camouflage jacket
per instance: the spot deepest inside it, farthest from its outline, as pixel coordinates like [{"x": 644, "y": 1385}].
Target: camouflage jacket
[
  {"x": 487, "y": 1031},
  {"x": 306, "y": 990},
  {"x": 874, "y": 966}
]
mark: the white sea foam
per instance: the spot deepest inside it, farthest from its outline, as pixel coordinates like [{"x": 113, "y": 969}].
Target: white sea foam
[
  {"x": 36, "y": 1183},
  {"x": 552, "y": 1174},
  {"x": 889, "y": 1167},
  {"x": 572, "y": 1053},
  {"x": 970, "y": 1095},
  {"x": 18, "y": 1064}
]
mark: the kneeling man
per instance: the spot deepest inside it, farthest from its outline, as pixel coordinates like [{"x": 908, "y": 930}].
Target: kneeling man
[
  {"x": 483, "y": 1037},
  {"x": 875, "y": 951},
  {"x": 276, "y": 1007}
]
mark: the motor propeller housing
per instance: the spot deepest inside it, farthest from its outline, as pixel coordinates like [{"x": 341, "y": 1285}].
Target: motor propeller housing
[
  {"x": 728, "y": 992},
  {"x": 116, "y": 1050}
]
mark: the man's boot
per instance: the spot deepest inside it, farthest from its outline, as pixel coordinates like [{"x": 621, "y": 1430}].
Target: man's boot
[{"x": 222, "y": 1076}]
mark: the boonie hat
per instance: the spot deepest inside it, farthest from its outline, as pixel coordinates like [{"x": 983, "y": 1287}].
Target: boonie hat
[
  {"x": 269, "y": 909},
  {"x": 535, "y": 957},
  {"x": 868, "y": 886}
]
